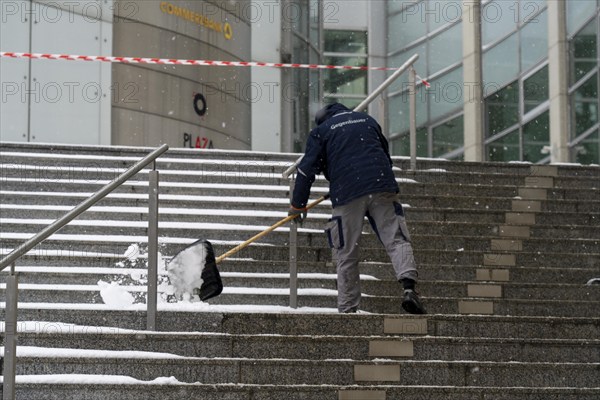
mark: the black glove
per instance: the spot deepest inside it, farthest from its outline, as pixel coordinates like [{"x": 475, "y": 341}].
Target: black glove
[{"x": 300, "y": 213}]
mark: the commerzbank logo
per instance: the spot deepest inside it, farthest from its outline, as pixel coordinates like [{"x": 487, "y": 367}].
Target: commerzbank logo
[{"x": 197, "y": 18}]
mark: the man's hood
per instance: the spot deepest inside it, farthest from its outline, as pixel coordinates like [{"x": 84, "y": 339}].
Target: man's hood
[{"x": 329, "y": 111}]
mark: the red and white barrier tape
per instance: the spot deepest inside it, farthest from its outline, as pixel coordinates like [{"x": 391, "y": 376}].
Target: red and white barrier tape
[{"x": 168, "y": 61}]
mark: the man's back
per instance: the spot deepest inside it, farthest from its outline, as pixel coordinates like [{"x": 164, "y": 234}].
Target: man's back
[{"x": 356, "y": 156}]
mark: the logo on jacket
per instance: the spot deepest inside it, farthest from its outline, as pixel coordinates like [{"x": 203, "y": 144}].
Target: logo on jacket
[{"x": 352, "y": 121}]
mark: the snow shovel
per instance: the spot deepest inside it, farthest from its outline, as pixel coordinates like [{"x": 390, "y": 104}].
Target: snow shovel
[{"x": 194, "y": 269}]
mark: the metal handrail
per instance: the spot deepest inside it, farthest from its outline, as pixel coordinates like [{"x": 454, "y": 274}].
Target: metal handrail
[
  {"x": 12, "y": 282},
  {"x": 75, "y": 212}
]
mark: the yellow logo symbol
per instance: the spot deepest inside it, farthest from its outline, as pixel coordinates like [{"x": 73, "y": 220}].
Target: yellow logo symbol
[{"x": 227, "y": 31}]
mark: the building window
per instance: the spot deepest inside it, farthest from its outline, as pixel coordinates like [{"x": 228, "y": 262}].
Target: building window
[
  {"x": 447, "y": 138},
  {"x": 501, "y": 62},
  {"x": 534, "y": 41},
  {"x": 401, "y": 144},
  {"x": 498, "y": 20},
  {"x": 536, "y": 90},
  {"x": 507, "y": 147},
  {"x": 583, "y": 77},
  {"x": 518, "y": 120},
  {"x": 443, "y": 49},
  {"x": 584, "y": 106},
  {"x": 583, "y": 52},
  {"x": 536, "y": 138},
  {"x": 578, "y": 12},
  {"x": 343, "y": 47},
  {"x": 302, "y": 89},
  {"x": 502, "y": 109},
  {"x": 587, "y": 151}
]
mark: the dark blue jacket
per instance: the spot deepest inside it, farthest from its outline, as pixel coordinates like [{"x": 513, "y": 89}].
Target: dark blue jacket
[{"x": 352, "y": 153}]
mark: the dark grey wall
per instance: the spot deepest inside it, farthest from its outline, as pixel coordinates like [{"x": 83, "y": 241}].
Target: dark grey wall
[{"x": 155, "y": 104}]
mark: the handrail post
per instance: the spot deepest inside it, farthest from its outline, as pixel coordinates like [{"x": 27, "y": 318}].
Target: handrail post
[
  {"x": 152, "y": 295},
  {"x": 293, "y": 254},
  {"x": 10, "y": 335},
  {"x": 412, "y": 100}
]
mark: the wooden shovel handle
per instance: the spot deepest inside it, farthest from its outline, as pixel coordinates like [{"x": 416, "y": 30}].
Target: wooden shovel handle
[{"x": 268, "y": 230}]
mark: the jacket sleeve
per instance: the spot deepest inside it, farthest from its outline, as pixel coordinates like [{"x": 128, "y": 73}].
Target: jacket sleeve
[{"x": 311, "y": 165}]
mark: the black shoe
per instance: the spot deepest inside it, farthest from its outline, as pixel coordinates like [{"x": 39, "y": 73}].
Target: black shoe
[{"x": 412, "y": 304}]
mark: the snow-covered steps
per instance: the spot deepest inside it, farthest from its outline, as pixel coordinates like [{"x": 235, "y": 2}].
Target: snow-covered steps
[
  {"x": 394, "y": 352},
  {"x": 581, "y": 304},
  {"x": 430, "y": 274},
  {"x": 256, "y": 320},
  {"x": 259, "y": 371},
  {"x": 337, "y": 347},
  {"x": 504, "y": 252}
]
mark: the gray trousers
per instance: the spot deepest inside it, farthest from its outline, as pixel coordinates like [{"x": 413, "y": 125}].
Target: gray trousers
[{"x": 386, "y": 216}]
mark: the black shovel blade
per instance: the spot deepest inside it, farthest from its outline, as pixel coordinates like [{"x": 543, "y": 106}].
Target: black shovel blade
[
  {"x": 212, "y": 285},
  {"x": 194, "y": 270}
]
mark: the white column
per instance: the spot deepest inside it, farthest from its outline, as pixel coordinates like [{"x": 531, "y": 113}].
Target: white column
[
  {"x": 473, "y": 86},
  {"x": 267, "y": 82},
  {"x": 559, "y": 81},
  {"x": 377, "y": 56}
]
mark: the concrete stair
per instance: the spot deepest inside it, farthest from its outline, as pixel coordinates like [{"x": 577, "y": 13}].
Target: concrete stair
[{"x": 504, "y": 252}]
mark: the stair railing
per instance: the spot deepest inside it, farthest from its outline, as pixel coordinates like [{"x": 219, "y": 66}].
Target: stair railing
[
  {"x": 290, "y": 172},
  {"x": 12, "y": 282}
]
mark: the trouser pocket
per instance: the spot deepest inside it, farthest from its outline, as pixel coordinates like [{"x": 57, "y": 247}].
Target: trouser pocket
[
  {"x": 402, "y": 228},
  {"x": 335, "y": 233}
]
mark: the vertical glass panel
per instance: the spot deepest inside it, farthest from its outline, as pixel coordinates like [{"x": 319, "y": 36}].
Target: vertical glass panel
[
  {"x": 398, "y": 5},
  {"x": 501, "y": 63},
  {"x": 446, "y": 93},
  {"x": 588, "y": 150},
  {"x": 506, "y": 148},
  {"x": 398, "y": 111},
  {"x": 536, "y": 138},
  {"x": 502, "y": 109},
  {"x": 315, "y": 22},
  {"x": 341, "y": 41},
  {"x": 534, "y": 41},
  {"x": 584, "y": 106},
  {"x": 578, "y": 11},
  {"x": 300, "y": 95},
  {"x": 405, "y": 28},
  {"x": 398, "y": 60},
  {"x": 300, "y": 10},
  {"x": 448, "y": 136},
  {"x": 445, "y": 49},
  {"x": 583, "y": 52},
  {"x": 401, "y": 146},
  {"x": 345, "y": 81},
  {"x": 529, "y": 10},
  {"x": 349, "y": 102},
  {"x": 315, "y": 94},
  {"x": 536, "y": 89},
  {"x": 442, "y": 12},
  {"x": 498, "y": 19}
]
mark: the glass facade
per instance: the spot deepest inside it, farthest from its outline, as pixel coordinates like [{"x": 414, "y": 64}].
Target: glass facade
[
  {"x": 345, "y": 47},
  {"x": 515, "y": 74},
  {"x": 583, "y": 83},
  {"x": 433, "y": 30},
  {"x": 515, "y": 77},
  {"x": 304, "y": 92}
]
